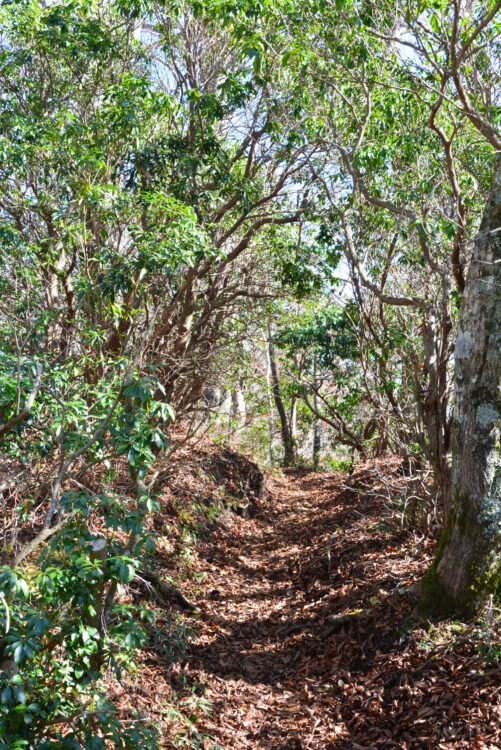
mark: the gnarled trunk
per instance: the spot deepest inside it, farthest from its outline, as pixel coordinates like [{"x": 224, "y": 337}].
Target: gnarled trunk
[{"x": 467, "y": 569}]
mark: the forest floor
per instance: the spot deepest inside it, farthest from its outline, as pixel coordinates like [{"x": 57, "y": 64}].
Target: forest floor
[{"x": 305, "y": 638}]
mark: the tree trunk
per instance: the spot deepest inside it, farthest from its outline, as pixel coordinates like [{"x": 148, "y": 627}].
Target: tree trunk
[
  {"x": 293, "y": 410},
  {"x": 317, "y": 436},
  {"x": 232, "y": 417},
  {"x": 293, "y": 417},
  {"x": 238, "y": 414},
  {"x": 467, "y": 569},
  {"x": 287, "y": 440},
  {"x": 271, "y": 413},
  {"x": 432, "y": 394}
]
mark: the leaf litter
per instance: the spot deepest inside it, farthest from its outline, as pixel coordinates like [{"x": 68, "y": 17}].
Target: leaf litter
[{"x": 305, "y": 639}]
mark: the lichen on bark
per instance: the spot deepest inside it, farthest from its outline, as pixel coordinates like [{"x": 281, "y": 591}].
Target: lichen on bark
[{"x": 467, "y": 567}]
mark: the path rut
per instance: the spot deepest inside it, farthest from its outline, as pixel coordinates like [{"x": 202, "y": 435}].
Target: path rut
[{"x": 261, "y": 647}]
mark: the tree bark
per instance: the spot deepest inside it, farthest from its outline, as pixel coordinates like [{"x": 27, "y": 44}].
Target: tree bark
[
  {"x": 467, "y": 569},
  {"x": 271, "y": 413},
  {"x": 317, "y": 436},
  {"x": 293, "y": 417},
  {"x": 288, "y": 442}
]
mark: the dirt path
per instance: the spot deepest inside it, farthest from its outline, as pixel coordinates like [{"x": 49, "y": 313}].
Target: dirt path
[{"x": 280, "y": 674}]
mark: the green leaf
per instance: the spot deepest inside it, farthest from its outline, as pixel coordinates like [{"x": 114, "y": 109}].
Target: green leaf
[
  {"x": 18, "y": 653},
  {"x": 126, "y": 572},
  {"x": 22, "y": 586},
  {"x": 19, "y": 695}
]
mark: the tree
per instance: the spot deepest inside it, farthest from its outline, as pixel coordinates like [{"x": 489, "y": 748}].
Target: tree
[
  {"x": 322, "y": 347},
  {"x": 401, "y": 92},
  {"x": 467, "y": 569},
  {"x": 440, "y": 60},
  {"x": 285, "y": 429},
  {"x": 462, "y": 47},
  {"x": 129, "y": 204}
]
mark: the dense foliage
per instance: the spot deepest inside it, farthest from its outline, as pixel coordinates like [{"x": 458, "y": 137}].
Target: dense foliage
[{"x": 206, "y": 202}]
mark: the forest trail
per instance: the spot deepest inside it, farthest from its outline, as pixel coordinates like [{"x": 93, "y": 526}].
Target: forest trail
[
  {"x": 258, "y": 675},
  {"x": 280, "y": 674}
]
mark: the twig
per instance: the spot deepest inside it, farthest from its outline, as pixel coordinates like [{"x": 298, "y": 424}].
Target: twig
[{"x": 41, "y": 537}]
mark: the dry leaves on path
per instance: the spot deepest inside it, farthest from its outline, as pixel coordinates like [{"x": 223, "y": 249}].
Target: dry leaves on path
[{"x": 305, "y": 638}]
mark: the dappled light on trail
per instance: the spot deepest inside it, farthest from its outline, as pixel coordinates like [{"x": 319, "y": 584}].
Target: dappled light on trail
[{"x": 305, "y": 638}]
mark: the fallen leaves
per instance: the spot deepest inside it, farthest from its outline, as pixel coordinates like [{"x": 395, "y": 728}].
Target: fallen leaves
[{"x": 305, "y": 638}]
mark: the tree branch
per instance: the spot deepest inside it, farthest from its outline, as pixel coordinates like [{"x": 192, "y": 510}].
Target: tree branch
[{"x": 18, "y": 418}]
